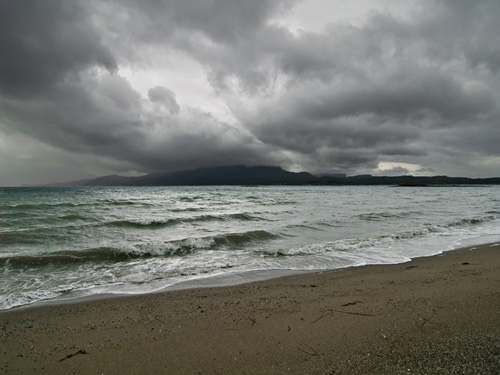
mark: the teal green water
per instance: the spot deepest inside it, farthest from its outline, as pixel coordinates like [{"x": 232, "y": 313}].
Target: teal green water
[{"x": 58, "y": 243}]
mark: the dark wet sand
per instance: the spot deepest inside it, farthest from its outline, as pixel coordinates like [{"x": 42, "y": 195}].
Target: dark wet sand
[{"x": 435, "y": 315}]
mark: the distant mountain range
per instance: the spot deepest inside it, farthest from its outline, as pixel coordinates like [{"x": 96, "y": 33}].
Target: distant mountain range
[{"x": 242, "y": 175}]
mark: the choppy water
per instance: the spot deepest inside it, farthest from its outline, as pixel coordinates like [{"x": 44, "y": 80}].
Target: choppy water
[{"x": 58, "y": 243}]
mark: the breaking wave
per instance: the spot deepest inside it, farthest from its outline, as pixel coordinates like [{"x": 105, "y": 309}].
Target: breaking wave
[
  {"x": 170, "y": 222},
  {"x": 180, "y": 247}
]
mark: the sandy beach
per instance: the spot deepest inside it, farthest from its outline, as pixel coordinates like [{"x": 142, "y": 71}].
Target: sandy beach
[{"x": 438, "y": 315}]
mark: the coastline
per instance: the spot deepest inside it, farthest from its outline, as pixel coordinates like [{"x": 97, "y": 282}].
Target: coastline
[
  {"x": 433, "y": 314},
  {"x": 231, "y": 279}
]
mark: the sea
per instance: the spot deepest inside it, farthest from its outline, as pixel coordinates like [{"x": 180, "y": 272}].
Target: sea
[{"x": 59, "y": 244}]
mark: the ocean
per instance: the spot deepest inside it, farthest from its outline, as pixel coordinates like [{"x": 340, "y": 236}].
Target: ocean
[{"x": 58, "y": 244}]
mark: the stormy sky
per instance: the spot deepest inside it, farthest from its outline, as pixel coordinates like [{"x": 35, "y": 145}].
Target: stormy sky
[{"x": 89, "y": 88}]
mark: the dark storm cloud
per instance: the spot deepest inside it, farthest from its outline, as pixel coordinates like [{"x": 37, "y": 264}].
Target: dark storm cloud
[
  {"x": 468, "y": 28},
  {"x": 221, "y": 21},
  {"x": 44, "y": 42},
  {"x": 59, "y": 84},
  {"x": 108, "y": 117},
  {"x": 408, "y": 89},
  {"x": 384, "y": 89}
]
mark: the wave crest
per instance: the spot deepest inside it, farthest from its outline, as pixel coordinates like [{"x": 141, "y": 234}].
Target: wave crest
[
  {"x": 181, "y": 247},
  {"x": 175, "y": 221}
]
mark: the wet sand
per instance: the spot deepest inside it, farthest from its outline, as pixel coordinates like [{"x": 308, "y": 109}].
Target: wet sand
[{"x": 438, "y": 315}]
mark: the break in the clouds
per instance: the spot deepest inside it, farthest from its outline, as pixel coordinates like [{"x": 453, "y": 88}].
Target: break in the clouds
[{"x": 239, "y": 82}]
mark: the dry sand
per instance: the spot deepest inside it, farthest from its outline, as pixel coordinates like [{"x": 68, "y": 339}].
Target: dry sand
[{"x": 436, "y": 315}]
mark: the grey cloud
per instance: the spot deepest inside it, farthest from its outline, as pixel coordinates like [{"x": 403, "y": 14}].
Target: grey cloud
[
  {"x": 468, "y": 28},
  {"x": 60, "y": 85},
  {"x": 222, "y": 21},
  {"x": 356, "y": 132},
  {"x": 346, "y": 143},
  {"x": 164, "y": 96},
  {"x": 108, "y": 117},
  {"x": 434, "y": 43},
  {"x": 401, "y": 149},
  {"x": 384, "y": 89},
  {"x": 185, "y": 25},
  {"x": 79, "y": 116},
  {"x": 42, "y": 43},
  {"x": 331, "y": 91},
  {"x": 409, "y": 89}
]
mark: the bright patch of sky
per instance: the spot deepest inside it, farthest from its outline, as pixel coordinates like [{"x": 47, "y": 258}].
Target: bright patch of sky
[{"x": 315, "y": 15}]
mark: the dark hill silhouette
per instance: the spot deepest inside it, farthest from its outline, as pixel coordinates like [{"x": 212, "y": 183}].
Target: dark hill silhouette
[
  {"x": 242, "y": 175},
  {"x": 408, "y": 181},
  {"x": 235, "y": 175}
]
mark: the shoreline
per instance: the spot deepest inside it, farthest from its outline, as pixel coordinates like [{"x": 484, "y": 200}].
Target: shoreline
[
  {"x": 230, "y": 279},
  {"x": 214, "y": 281},
  {"x": 384, "y": 317}
]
